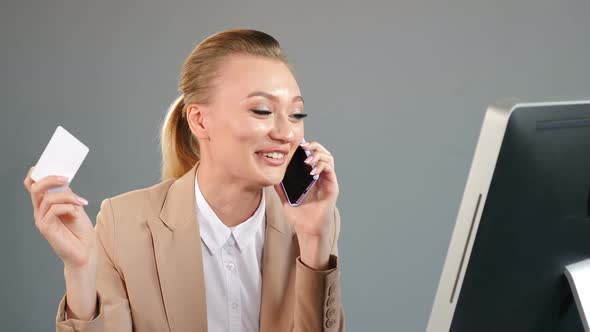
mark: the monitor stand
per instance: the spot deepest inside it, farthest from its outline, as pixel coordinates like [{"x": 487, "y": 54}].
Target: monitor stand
[{"x": 578, "y": 276}]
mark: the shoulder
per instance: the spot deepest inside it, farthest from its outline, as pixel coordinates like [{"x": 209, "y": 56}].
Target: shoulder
[{"x": 140, "y": 203}]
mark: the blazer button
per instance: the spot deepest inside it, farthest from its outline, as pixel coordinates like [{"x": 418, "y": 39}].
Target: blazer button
[
  {"x": 330, "y": 289},
  {"x": 330, "y": 301},
  {"x": 330, "y": 323},
  {"x": 330, "y": 312}
]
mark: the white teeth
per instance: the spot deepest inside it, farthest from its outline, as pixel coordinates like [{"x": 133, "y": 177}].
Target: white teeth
[{"x": 274, "y": 155}]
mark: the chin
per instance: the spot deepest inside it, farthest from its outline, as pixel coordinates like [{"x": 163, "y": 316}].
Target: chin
[{"x": 270, "y": 179}]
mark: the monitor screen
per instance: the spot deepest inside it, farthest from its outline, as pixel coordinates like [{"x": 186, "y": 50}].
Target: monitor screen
[{"x": 524, "y": 216}]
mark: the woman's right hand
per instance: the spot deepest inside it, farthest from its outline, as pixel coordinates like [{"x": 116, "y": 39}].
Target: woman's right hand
[{"x": 61, "y": 219}]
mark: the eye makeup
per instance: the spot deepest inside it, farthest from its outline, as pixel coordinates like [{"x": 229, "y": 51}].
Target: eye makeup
[{"x": 297, "y": 116}]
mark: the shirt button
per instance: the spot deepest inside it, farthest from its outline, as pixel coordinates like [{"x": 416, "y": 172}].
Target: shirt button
[
  {"x": 231, "y": 266},
  {"x": 234, "y": 306}
]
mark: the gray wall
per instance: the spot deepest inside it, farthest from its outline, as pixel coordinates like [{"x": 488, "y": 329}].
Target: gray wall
[{"x": 397, "y": 91}]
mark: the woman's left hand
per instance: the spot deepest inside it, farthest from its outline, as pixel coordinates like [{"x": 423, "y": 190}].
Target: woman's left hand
[{"x": 313, "y": 219}]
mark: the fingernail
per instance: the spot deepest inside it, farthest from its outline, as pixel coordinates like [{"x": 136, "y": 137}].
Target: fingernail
[
  {"x": 312, "y": 171},
  {"x": 82, "y": 200},
  {"x": 308, "y": 159},
  {"x": 304, "y": 144},
  {"x": 62, "y": 179}
]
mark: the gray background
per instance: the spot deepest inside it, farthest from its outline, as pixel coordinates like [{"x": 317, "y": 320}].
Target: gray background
[{"x": 397, "y": 91}]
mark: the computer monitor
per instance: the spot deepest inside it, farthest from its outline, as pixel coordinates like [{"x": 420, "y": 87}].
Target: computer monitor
[{"x": 524, "y": 217}]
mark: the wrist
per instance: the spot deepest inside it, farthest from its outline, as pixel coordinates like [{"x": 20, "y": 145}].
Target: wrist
[
  {"x": 73, "y": 270},
  {"x": 315, "y": 253},
  {"x": 81, "y": 291}
]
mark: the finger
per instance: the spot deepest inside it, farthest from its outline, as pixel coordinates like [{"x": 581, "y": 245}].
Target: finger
[
  {"x": 318, "y": 169},
  {"x": 48, "y": 182},
  {"x": 62, "y": 197},
  {"x": 28, "y": 181},
  {"x": 313, "y": 145},
  {"x": 327, "y": 171},
  {"x": 317, "y": 156},
  {"x": 327, "y": 183},
  {"x": 38, "y": 189},
  {"x": 53, "y": 214}
]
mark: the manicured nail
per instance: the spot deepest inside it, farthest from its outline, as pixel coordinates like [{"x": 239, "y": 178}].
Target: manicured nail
[
  {"x": 308, "y": 159},
  {"x": 82, "y": 200},
  {"x": 312, "y": 171},
  {"x": 304, "y": 144},
  {"x": 62, "y": 179}
]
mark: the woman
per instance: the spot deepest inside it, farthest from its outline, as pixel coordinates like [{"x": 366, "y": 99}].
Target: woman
[{"x": 215, "y": 246}]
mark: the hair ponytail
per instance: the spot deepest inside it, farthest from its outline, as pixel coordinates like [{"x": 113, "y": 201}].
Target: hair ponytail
[{"x": 180, "y": 150}]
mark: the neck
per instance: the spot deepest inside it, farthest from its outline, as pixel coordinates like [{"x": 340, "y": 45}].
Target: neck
[{"x": 233, "y": 202}]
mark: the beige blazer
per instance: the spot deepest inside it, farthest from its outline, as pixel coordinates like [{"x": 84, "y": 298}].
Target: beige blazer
[{"x": 150, "y": 269}]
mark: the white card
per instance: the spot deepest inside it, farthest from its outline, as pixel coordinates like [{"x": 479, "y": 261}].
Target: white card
[{"x": 63, "y": 156}]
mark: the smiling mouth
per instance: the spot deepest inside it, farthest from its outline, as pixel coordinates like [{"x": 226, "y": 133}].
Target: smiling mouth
[
  {"x": 274, "y": 159},
  {"x": 273, "y": 155}
]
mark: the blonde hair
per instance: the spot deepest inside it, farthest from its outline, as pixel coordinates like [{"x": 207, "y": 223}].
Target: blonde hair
[{"x": 180, "y": 149}]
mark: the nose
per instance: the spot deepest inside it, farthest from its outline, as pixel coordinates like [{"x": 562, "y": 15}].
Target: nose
[{"x": 283, "y": 129}]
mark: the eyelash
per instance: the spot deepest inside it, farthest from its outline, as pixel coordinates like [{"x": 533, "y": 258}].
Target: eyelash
[{"x": 298, "y": 116}]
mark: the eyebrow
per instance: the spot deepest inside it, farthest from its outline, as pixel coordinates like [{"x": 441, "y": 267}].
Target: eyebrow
[{"x": 272, "y": 97}]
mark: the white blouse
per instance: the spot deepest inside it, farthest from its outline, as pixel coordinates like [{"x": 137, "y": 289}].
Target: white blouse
[{"x": 232, "y": 264}]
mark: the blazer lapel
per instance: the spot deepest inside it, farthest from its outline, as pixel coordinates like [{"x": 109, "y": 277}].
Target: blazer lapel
[
  {"x": 177, "y": 248},
  {"x": 280, "y": 252},
  {"x": 179, "y": 262}
]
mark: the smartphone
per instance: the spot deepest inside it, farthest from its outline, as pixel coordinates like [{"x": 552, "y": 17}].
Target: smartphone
[{"x": 297, "y": 181}]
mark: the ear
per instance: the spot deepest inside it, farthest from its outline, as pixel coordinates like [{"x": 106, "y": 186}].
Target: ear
[{"x": 196, "y": 115}]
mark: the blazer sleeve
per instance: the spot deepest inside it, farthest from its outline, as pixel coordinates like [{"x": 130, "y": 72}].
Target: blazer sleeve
[
  {"x": 317, "y": 293},
  {"x": 113, "y": 312}
]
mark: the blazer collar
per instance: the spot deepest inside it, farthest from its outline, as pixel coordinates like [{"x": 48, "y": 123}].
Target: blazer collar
[
  {"x": 179, "y": 207},
  {"x": 179, "y": 261}
]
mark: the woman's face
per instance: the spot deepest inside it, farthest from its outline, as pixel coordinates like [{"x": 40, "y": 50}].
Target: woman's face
[{"x": 252, "y": 121}]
